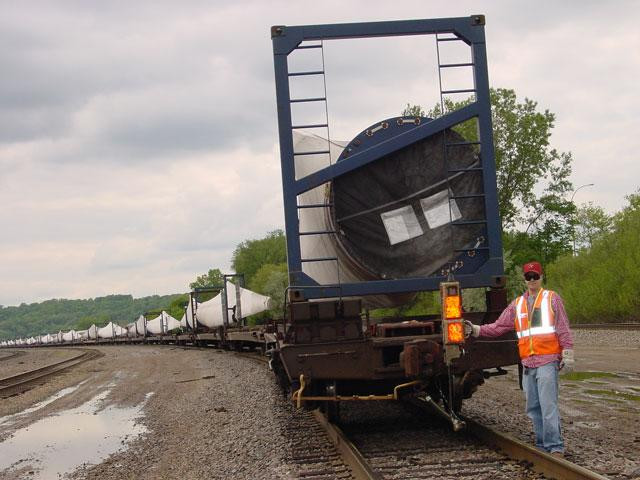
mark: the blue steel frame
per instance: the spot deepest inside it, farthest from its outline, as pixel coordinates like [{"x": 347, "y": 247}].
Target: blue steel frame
[{"x": 470, "y": 30}]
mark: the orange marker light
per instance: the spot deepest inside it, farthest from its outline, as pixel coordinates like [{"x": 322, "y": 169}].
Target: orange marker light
[
  {"x": 452, "y": 323},
  {"x": 455, "y": 332},
  {"x": 452, "y": 307}
]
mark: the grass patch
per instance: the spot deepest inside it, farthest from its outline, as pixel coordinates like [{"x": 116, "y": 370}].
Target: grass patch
[
  {"x": 579, "y": 376},
  {"x": 615, "y": 394}
]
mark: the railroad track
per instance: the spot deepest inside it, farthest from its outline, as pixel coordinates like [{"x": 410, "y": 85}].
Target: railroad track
[
  {"x": 17, "y": 384},
  {"x": 17, "y": 353},
  {"x": 606, "y": 326},
  {"x": 421, "y": 447}
]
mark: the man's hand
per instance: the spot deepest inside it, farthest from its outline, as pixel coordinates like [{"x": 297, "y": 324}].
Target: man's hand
[
  {"x": 567, "y": 362},
  {"x": 471, "y": 329}
]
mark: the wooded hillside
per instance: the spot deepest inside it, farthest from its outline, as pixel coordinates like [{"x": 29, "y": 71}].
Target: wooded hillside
[{"x": 62, "y": 314}]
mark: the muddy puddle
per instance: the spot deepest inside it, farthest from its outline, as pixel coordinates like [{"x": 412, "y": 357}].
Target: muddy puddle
[{"x": 58, "y": 444}]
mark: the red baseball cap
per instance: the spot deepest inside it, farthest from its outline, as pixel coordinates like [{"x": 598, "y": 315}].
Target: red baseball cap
[{"x": 532, "y": 267}]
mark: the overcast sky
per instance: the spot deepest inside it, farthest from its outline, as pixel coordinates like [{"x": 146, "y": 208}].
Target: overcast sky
[{"x": 138, "y": 139}]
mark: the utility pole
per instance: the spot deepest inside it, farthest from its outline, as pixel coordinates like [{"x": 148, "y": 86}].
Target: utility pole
[{"x": 574, "y": 215}]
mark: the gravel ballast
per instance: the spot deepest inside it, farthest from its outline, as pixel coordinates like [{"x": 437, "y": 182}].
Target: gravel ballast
[
  {"x": 209, "y": 414},
  {"x": 214, "y": 414},
  {"x": 600, "y": 415}
]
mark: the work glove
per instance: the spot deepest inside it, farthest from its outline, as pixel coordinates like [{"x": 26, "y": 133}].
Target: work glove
[
  {"x": 471, "y": 329},
  {"x": 567, "y": 362}
]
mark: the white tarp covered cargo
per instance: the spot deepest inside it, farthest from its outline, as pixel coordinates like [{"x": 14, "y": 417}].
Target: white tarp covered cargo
[
  {"x": 155, "y": 326},
  {"x": 111, "y": 330},
  {"x": 187, "y": 318},
  {"x": 171, "y": 323},
  {"x": 209, "y": 313},
  {"x": 70, "y": 336},
  {"x": 314, "y": 219},
  {"x": 139, "y": 327},
  {"x": 162, "y": 324},
  {"x": 93, "y": 332},
  {"x": 250, "y": 302},
  {"x": 82, "y": 334},
  {"x": 392, "y": 222},
  {"x": 131, "y": 330}
]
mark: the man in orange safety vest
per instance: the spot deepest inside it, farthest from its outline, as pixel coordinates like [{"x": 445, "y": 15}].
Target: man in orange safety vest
[{"x": 545, "y": 345}]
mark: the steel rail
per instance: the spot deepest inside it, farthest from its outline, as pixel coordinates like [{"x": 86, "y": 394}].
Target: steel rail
[
  {"x": 360, "y": 468},
  {"x": 15, "y": 354},
  {"x": 16, "y": 384},
  {"x": 550, "y": 466},
  {"x": 606, "y": 326},
  {"x": 541, "y": 462},
  {"x": 252, "y": 356}
]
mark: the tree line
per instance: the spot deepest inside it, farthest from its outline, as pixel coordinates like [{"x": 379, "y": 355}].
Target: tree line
[
  {"x": 54, "y": 315},
  {"x": 591, "y": 258},
  {"x": 580, "y": 246}
]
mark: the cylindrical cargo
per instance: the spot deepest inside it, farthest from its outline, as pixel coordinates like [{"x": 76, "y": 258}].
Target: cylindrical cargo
[
  {"x": 209, "y": 313},
  {"x": 69, "y": 336},
  {"x": 155, "y": 326},
  {"x": 408, "y": 214},
  {"x": 111, "y": 330},
  {"x": 93, "y": 332}
]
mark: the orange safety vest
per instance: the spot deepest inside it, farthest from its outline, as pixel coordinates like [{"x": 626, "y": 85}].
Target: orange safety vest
[{"x": 536, "y": 330}]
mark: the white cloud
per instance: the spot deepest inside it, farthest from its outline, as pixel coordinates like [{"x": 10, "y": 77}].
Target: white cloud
[{"x": 137, "y": 141}]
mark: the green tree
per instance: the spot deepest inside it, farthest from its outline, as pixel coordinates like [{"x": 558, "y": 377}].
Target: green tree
[
  {"x": 592, "y": 222},
  {"x": 413, "y": 111},
  {"x": 62, "y": 314},
  {"x": 272, "y": 280},
  {"x": 86, "y": 322},
  {"x": 532, "y": 177},
  {"x": 212, "y": 278},
  {"x": 177, "y": 306},
  {"x": 601, "y": 283},
  {"x": 250, "y": 255}
]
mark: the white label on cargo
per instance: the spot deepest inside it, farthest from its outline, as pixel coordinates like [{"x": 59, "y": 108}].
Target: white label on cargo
[
  {"x": 436, "y": 210},
  {"x": 401, "y": 224}
]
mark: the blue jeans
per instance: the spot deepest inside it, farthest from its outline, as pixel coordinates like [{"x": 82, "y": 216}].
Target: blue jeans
[{"x": 541, "y": 388}]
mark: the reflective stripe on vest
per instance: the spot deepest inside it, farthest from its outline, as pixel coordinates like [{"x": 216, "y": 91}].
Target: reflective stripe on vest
[
  {"x": 547, "y": 324},
  {"x": 536, "y": 329}
]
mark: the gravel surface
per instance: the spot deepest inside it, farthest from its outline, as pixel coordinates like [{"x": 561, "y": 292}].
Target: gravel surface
[
  {"x": 5, "y": 353},
  {"x": 402, "y": 443},
  {"x": 600, "y": 415},
  {"x": 205, "y": 418},
  {"x": 32, "y": 358}
]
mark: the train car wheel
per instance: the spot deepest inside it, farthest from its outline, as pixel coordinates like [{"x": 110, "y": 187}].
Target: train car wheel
[{"x": 331, "y": 410}]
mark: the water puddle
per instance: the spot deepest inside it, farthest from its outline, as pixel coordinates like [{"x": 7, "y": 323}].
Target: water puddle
[
  {"x": 58, "y": 444},
  {"x": 11, "y": 419}
]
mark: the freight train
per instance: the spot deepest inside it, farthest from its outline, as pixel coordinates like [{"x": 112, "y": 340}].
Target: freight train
[
  {"x": 408, "y": 205},
  {"x": 219, "y": 321}
]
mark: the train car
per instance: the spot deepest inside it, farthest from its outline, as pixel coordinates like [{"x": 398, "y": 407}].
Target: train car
[
  {"x": 216, "y": 316},
  {"x": 408, "y": 205}
]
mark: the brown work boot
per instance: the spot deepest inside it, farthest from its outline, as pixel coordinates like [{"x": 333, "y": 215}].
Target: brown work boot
[{"x": 558, "y": 454}]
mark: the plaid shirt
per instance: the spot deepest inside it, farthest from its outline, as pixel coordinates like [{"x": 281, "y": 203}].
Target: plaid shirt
[{"x": 506, "y": 323}]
